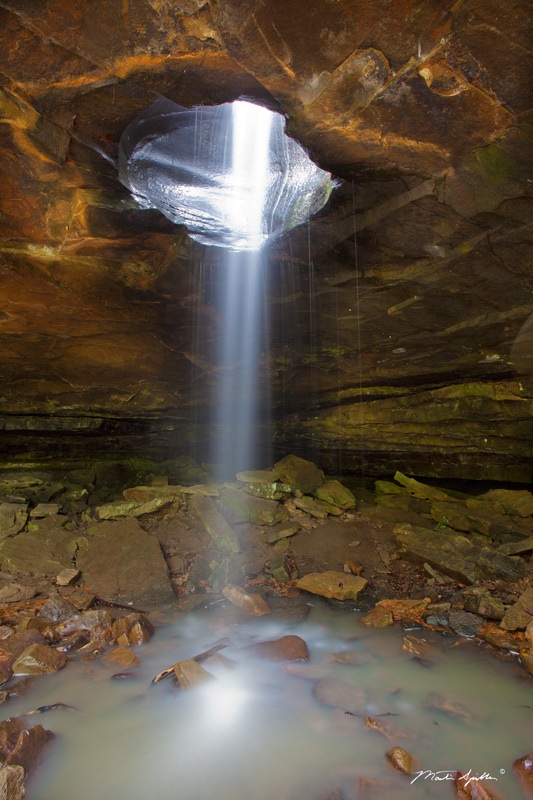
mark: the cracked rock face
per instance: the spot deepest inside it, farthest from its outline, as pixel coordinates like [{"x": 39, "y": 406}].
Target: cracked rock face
[{"x": 418, "y": 351}]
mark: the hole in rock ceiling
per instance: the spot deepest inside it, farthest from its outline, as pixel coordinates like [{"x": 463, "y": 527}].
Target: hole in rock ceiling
[{"x": 229, "y": 172}]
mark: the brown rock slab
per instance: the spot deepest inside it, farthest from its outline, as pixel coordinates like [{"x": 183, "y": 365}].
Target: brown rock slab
[
  {"x": 287, "y": 648},
  {"x": 244, "y": 507},
  {"x": 421, "y": 490},
  {"x": 528, "y": 633},
  {"x": 517, "y": 502},
  {"x": 401, "y": 760},
  {"x": 16, "y": 644},
  {"x": 483, "y": 603},
  {"x": 44, "y": 552},
  {"x": 519, "y": 615},
  {"x": 216, "y": 526},
  {"x": 12, "y": 783},
  {"x": 339, "y": 694},
  {"x": 67, "y": 577},
  {"x": 332, "y": 584},
  {"x": 122, "y": 562},
  {"x": 252, "y": 604},
  {"x": 523, "y": 769},
  {"x": 15, "y": 593},
  {"x": 44, "y": 510},
  {"x": 122, "y": 657},
  {"x": 281, "y": 531},
  {"x": 190, "y": 674},
  {"x": 459, "y": 516},
  {"x": 38, "y": 659}
]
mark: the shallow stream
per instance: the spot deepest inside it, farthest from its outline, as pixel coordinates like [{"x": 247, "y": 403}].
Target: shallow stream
[{"x": 257, "y": 733}]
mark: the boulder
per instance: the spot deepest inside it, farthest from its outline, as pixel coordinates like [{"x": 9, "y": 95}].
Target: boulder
[
  {"x": 459, "y": 516},
  {"x": 519, "y": 615},
  {"x": 15, "y": 593},
  {"x": 299, "y": 474},
  {"x": 515, "y": 502},
  {"x": 20, "y": 745},
  {"x": 44, "y": 552},
  {"x": 122, "y": 562},
  {"x": 332, "y": 491},
  {"x": 38, "y": 659},
  {"x": 263, "y": 483},
  {"x": 483, "y": 603},
  {"x": 57, "y": 609},
  {"x": 223, "y": 536},
  {"x": 464, "y": 623},
  {"x": 332, "y": 584},
  {"x": 13, "y": 517},
  {"x": 455, "y": 555},
  {"x": 243, "y": 507}
]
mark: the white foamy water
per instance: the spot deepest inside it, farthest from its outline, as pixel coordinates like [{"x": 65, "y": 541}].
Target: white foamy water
[{"x": 258, "y": 734}]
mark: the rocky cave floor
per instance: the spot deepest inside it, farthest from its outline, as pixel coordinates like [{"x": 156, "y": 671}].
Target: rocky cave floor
[{"x": 87, "y": 569}]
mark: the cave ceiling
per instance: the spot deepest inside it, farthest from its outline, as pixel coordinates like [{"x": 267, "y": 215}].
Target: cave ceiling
[{"x": 422, "y": 276}]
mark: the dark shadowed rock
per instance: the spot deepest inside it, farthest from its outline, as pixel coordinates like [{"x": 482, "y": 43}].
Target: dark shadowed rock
[
  {"x": 122, "y": 562},
  {"x": 299, "y": 473},
  {"x": 465, "y": 623}
]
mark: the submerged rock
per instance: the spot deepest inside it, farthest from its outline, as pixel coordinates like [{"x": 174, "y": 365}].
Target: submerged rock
[
  {"x": 190, "y": 674},
  {"x": 332, "y": 584},
  {"x": 339, "y": 694},
  {"x": 287, "y": 648},
  {"x": 401, "y": 760}
]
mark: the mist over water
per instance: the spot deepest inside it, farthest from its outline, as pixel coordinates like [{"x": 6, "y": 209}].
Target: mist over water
[{"x": 258, "y": 733}]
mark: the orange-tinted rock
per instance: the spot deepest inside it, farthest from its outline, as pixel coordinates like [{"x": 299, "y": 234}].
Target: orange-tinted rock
[
  {"x": 39, "y": 659},
  {"x": 401, "y": 760},
  {"x": 523, "y": 768},
  {"x": 132, "y": 629},
  {"x": 21, "y": 745},
  {"x": 190, "y": 674},
  {"x": 122, "y": 657},
  {"x": 379, "y": 617},
  {"x": 252, "y": 604},
  {"x": 332, "y": 584}
]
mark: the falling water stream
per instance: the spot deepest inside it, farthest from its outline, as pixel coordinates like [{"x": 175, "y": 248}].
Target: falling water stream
[{"x": 259, "y": 731}]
